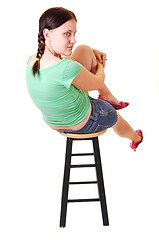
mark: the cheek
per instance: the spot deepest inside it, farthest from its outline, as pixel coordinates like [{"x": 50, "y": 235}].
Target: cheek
[
  {"x": 53, "y": 42},
  {"x": 65, "y": 40},
  {"x": 60, "y": 43},
  {"x": 64, "y": 43}
]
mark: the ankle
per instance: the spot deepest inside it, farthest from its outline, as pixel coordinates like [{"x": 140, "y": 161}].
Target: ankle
[{"x": 136, "y": 137}]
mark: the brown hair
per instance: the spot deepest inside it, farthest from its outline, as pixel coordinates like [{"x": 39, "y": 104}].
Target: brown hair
[{"x": 50, "y": 19}]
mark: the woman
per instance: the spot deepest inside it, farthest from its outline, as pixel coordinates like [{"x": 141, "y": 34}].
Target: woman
[{"x": 59, "y": 86}]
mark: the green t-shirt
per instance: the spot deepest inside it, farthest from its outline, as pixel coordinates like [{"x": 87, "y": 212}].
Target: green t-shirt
[{"x": 60, "y": 102}]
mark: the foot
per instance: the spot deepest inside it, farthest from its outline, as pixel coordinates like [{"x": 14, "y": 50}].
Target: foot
[
  {"x": 118, "y": 105},
  {"x": 134, "y": 144}
]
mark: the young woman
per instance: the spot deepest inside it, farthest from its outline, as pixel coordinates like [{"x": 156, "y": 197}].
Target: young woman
[{"x": 59, "y": 86}]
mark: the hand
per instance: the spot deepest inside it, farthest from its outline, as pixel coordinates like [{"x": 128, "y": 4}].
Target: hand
[{"x": 100, "y": 56}]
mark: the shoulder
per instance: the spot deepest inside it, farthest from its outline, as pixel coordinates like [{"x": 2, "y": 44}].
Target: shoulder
[
  {"x": 32, "y": 60},
  {"x": 73, "y": 63},
  {"x": 72, "y": 67}
]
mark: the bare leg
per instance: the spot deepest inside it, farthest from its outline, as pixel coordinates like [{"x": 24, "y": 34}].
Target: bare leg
[
  {"x": 84, "y": 55},
  {"x": 123, "y": 129}
]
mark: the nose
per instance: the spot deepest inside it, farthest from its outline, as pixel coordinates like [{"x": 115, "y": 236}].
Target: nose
[{"x": 73, "y": 40}]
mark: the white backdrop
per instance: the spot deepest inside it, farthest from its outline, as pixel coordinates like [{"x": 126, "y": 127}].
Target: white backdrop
[{"x": 32, "y": 155}]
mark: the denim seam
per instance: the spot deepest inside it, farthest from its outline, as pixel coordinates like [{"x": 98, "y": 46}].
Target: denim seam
[{"x": 101, "y": 109}]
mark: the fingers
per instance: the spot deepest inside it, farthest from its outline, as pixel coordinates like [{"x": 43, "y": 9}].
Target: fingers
[
  {"x": 103, "y": 59},
  {"x": 100, "y": 56}
]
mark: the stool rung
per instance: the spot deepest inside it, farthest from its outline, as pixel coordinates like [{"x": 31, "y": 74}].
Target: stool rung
[
  {"x": 84, "y": 200},
  {"x": 90, "y": 182},
  {"x": 83, "y": 165},
  {"x": 82, "y": 154}
]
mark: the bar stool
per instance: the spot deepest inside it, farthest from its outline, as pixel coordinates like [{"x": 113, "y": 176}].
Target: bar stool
[{"x": 99, "y": 174}]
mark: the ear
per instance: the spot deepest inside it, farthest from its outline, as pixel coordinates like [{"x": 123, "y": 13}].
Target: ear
[{"x": 46, "y": 33}]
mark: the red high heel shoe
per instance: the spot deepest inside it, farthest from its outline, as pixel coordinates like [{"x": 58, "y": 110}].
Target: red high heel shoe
[
  {"x": 133, "y": 144},
  {"x": 117, "y": 106}
]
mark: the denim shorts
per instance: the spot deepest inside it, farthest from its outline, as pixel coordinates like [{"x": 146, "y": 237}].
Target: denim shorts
[{"x": 102, "y": 116}]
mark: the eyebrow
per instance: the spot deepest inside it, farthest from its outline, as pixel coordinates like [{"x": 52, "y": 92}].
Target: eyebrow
[{"x": 71, "y": 31}]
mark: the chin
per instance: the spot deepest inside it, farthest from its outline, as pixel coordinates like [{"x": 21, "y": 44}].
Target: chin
[{"x": 69, "y": 53}]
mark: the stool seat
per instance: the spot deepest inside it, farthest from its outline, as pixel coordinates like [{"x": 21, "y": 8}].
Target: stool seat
[{"x": 84, "y": 136}]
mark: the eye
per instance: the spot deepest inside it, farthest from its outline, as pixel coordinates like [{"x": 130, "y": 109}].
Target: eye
[{"x": 67, "y": 34}]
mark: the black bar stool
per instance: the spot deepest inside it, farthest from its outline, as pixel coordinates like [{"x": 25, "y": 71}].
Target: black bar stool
[{"x": 98, "y": 167}]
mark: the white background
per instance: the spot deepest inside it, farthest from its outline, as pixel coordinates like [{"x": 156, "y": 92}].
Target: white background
[{"x": 32, "y": 155}]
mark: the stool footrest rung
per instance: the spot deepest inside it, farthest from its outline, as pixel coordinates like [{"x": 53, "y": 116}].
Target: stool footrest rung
[
  {"x": 83, "y": 165},
  {"x": 84, "y": 200},
  {"x": 88, "y": 182},
  {"x": 82, "y": 154}
]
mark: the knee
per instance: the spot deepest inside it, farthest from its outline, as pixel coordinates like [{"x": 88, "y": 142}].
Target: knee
[
  {"x": 86, "y": 52},
  {"x": 84, "y": 55},
  {"x": 84, "y": 49}
]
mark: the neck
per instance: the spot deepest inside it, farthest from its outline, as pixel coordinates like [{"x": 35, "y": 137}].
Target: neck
[{"x": 51, "y": 52}]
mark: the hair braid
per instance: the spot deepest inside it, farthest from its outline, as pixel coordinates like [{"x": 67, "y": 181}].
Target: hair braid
[{"x": 40, "y": 52}]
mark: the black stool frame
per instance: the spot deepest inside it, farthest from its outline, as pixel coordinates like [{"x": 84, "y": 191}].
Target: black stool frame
[{"x": 100, "y": 181}]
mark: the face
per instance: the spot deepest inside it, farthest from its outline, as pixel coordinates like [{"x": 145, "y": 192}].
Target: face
[{"x": 62, "y": 39}]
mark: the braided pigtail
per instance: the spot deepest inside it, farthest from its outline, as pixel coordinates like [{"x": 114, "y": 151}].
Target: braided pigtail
[{"x": 41, "y": 48}]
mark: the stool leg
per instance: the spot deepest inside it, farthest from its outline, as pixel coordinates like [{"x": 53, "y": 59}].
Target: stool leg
[
  {"x": 65, "y": 188},
  {"x": 100, "y": 180}
]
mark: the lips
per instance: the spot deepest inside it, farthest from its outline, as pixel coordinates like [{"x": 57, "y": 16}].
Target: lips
[{"x": 70, "y": 47}]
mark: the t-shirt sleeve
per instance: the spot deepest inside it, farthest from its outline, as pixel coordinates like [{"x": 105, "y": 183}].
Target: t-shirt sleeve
[{"x": 71, "y": 70}]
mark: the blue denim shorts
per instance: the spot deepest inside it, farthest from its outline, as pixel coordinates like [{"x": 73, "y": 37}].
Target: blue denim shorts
[{"x": 103, "y": 116}]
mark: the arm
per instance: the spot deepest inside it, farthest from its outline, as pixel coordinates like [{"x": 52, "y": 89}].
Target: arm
[{"x": 88, "y": 81}]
